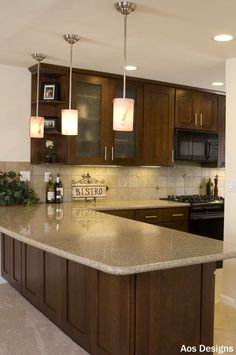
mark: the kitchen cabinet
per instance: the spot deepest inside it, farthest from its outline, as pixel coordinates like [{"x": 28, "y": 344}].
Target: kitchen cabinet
[
  {"x": 173, "y": 218},
  {"x": 50, "y": 109},
  {"x": 221, "y": 131},
  {"x": 158, "y": 125},
  {"x": 96, "y": 142},
  {"x": 11, "y": 261},
  {"x": 120, "y": 213},
  {"x": 196, "y": 110}
]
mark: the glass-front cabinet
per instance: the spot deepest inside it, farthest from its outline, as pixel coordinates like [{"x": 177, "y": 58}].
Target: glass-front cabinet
[
  {"x": 90, "y": 97},
  {"x": 96, "y": 142}
]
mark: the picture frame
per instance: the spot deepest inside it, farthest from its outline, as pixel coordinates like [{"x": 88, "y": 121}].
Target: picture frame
[
  {"x": 49, "y": 91},
  {"x": 51, "y": 125}
]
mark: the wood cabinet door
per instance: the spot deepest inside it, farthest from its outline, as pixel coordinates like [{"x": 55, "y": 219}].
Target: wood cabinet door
[
  {"x": 32, "y": 274},
  {"x": 186, "y": 115},
  {"x": 158, "y": 125},
  {"x": 52, "y": 285},
  {"x": 221, "y": 131},
  {"x": 6, "y": 257},
  {"x": 207, "y": 111},
  {"x": 91, "y": 97},
  {"x": 112, "y": 325},
  {"x": 76, "y": 303},
  {"x": 126, "y": 147},
  {"x": 11, "y": 261}
]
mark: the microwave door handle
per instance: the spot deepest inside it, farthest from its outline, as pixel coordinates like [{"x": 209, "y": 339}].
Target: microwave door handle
[{"x": 208, "y": 149}]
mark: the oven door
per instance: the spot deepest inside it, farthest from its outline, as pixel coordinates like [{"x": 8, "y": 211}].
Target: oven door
[{"x": 208, "y": 224}]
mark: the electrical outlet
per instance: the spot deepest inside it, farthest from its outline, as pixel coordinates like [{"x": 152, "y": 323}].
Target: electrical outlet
[
  {"x": 46, "y": 176},
  {"x": 25, "y": 175}
]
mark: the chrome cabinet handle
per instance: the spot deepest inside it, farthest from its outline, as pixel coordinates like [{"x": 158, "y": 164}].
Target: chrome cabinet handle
[
  {"x": 150, "y": 217},
  {"x": 112, "y": 153},
  {"x": 177, "y": 215},
  {"x": 172, "y": 155},
  {"x": 201, "y": 119},
  {"x": 195, "y": 118},
  {"x": 105, "y": 153}
]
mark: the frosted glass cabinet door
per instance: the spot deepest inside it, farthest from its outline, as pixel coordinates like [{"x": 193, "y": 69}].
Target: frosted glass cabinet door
[
  {"x": 90, "y": 97},
  {"x": 127, "y": 146}
]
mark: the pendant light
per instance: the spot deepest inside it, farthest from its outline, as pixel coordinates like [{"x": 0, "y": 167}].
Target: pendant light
[
  {"x": 37, "y": 122},
  {"x": 69, "y": 118},
  {"x": 123, "y": 108}
]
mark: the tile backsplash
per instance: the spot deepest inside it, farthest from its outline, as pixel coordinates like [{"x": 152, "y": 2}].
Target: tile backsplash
[{"x": 127, "y": 183}]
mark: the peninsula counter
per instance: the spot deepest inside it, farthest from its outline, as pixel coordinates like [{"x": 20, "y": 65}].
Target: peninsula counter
[{"x": 115, "y": 286}]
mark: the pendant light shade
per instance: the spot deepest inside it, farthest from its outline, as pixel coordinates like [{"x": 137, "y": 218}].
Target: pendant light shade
[
  {"x": 123, "y": 114},
  {"x": 69, "y": 118},
  {"x": 37, "y": 122},
  {"x": 36, "y": 127},
  {"x": 69, "y": 122},
  {"x": 123, "y": 108}
]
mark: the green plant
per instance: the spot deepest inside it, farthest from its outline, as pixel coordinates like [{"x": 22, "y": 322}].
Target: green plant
[{"x": 13, "y": 191}]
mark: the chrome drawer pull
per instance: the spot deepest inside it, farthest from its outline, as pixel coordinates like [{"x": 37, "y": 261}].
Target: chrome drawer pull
[
  {"x": 177, "y": 215},
  {"x": 149, "y": 217}
]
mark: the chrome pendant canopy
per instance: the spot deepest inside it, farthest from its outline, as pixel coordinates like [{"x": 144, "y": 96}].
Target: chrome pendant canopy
[{"x": 125, "y": 7}]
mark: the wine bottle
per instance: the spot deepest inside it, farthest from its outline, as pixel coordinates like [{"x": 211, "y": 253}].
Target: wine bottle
[
  {"x": 50, "y": 191},
  {"x": 58, "y": 189}
]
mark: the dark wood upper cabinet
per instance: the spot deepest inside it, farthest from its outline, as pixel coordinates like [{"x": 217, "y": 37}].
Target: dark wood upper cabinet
[
  {"x": 221, "y": 131},
  {"x": 90, "y": 96},
  {"x": 158, "y": 125},
  {"x": 96, "y": 142},
  {"x": 196, "y": 110}
]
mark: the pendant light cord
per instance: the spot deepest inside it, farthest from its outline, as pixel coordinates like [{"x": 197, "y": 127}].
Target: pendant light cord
[
  {"x": 124, "y": 68},
  {"x": 37, "y": 94},
  {"x": 70, "y": 83}
]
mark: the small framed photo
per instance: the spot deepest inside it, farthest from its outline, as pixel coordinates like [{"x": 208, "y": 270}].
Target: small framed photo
[
  {"x": 49, "y": 91},
  {"x": 51, "y": 125}
]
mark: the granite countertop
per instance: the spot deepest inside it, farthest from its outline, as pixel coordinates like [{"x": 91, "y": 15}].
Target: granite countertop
[{"x": 111, "y": 244}]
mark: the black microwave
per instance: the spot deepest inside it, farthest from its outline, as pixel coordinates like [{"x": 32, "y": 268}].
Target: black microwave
[{"x": 196, "y": 145}]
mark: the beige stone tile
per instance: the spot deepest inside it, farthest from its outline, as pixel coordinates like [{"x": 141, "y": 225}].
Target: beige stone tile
[
  {"x": 180, "y": 182},
  {"x": 2, "y": 166},
  {"x": 25, "y": 166},
  {"x": 197, "y": 181},
  {"x": 197, "y": 171},
  {"x": 221, "y": 172},
  {"x": 12, "y": 166},
  {"x": 172, "y": 171},
  {"x": 206, "y": 172},
  {"x": 38, "y": 169},
  {"x": 37, "y": 182},
  {"x": 117, "y": 181},
  {"x": 67, "y": 195},
  {"x": 213, "y": 172},
  {"x": 171, "y": 191},
  {"x": 163, "y": 192},
  {"x": 162, "y": 181},
  {"x": 171, "y": 181},
  {"x": 163, "y": 171},
  {"x": 134, "y": 181},
  {"x": 188, "y": 181},
  {"x": 188, "y": 190},
  {"x": 117, "y": 194},
  {"x": 179, "y": 190},
  {"x": 189, "y": 171},
  {"x": 65, "y": 170}
]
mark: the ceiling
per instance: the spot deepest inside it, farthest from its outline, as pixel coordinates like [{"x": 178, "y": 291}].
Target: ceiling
[{"x": 168, "y": 40}]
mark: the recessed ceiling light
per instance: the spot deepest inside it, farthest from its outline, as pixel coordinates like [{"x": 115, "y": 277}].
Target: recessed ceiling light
[
  {"x": 217, "y": 83},
  {"x": 131, "y": 67},
  {"x": 223, "y": 38}
]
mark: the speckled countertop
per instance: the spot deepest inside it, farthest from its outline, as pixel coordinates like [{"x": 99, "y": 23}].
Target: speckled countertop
[{"x": 108, "y": 243}]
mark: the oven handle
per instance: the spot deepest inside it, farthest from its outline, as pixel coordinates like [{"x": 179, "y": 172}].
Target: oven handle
[{"x": 208, "y": 216}]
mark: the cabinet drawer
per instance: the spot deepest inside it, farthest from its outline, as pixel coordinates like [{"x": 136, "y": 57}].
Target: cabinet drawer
[
  {"x": 153, "y": 215},
  {"x": 179, "y": 226},
  {"x": 175, "y": 214},
  {"x": 120, "y": 213}
]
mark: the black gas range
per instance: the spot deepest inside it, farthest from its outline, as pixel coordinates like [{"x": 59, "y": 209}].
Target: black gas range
[{"x": 206, "y": 215}]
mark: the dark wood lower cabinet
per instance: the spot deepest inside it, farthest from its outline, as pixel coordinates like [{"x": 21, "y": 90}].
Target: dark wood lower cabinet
[
  {"x": 11, "y": 261},
  {"x": 76, "y": 307},
  {"x": 152, "y": 313}
]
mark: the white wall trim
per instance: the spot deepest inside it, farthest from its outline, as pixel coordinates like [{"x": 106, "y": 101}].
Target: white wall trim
[
  {"x": 2, "y": 280},
  {"x": 229, "y": 301}
]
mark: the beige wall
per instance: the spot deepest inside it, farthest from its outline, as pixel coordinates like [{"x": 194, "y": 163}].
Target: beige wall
[
  {"x": 14, "y": 113},
  {"x": 229, "y": 274}
]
